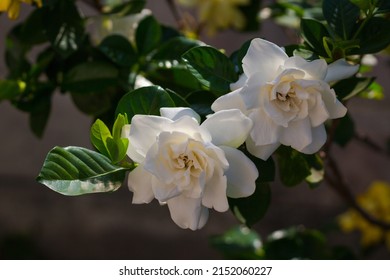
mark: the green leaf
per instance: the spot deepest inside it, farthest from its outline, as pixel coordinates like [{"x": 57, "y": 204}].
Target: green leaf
[
  {"x": 341, "y": 16},
  {"x": 296, "y": 243},
  {"x": 374, "y": 91},
  {"x": 239, "y": 55},
  {"x": 33, "y": 29},
  {"x": 293, "y": 166},
  {"x": 347, "y": 88},
  {"x": 313, "y": 33},
  {"x": 239, "y": 243},
  {"x": 212, "y": 68},
  {"x": 39, "y": 116},
  {"x": 174, "y": 48},
  {"x": 64, "y": 27},
  {"x": 383, "y": 6},
  {"x": 90, "y": 76},
  {"x": 374, "y": 36},
  {"x": 127, "y": 8},
  {"x": 76, "y": 171},
  {"x": 120, "y": 121},
  {"x": 345, "y": 131},
  {"x": 250, "y": 210},
  {"x": 144, "y": 101},
  {"x": 98, "y": 136},
  {"x": 119, "y": 50},
  {"x": 251, "y": 12},
  {"x": 10, "y": 89},
  {"x": 148, "y": 35},
  {"x": 92, "y": 103}
]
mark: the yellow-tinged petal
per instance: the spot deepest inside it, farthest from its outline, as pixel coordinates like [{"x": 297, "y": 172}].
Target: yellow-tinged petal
[
  {"x": 4, "y": 5},
  {"x": 14, "y": 10}
]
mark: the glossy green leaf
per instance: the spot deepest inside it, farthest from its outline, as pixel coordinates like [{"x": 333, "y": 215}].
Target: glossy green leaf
[
  {"x": 374, "y": 36},
  {"x": 313, "y": 32},
  {"x": 174, "y": 48},
  {"x": 144, "y": 101},
  {"x": 293, "y": 167},
  {"x": 90, "y": 76},
  {"x": 75, "y": 171},
  {"x": 345, "y": 131},
  {"x": 239, "y": 243},
  {"x": 98, "y": 136},
  {"x": 148, "y": 35},
  {"x": 347, "y": 88},
  {"x": 341, "y": 15},
  {"x": 119, "y": 50},
  {"x": 212, "y": 68},
  {"x": 250, "y": 210},
  {"x": 64, "y": 27}
]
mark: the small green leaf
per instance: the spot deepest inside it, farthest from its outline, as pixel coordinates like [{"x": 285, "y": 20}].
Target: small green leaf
[
  {"x": 148, "y": 35},
  {"x": 76, "y": 171},
  {"x": 250, "y": 210},
  {"x": 144, "y": 101},
  {"x": 313, "y": 32},
  {"x": 120, "y": 121},
  {"x": 127, "y": 8},
  {"x": 374, "y": 91},
  {"x": 119, "y": 50},
  {"x": 212, "y": 68},
  {"x": 90, "y": 76},
  {"x": 341, "y": 15},
  {"x": 239, "y": 243},
  {"x": 99, "y": 135},
  {"x": 293, "y": 166},
  {"x": 362, "y": 4},
  {"x": 10, "y": 89}
]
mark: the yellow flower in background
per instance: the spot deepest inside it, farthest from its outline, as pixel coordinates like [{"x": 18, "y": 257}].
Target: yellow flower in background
[
  {"x": 376, "y": 201},
  {"x": 219, "y": 14},
  {"x": 12, "y": 7}
]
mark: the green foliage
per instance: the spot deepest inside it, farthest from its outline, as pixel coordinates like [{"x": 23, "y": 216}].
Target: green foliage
[
  {"x": 239, "y": 243},
  {"x": 148, "y": 35},
  {"x": 127, "y": 8},
  {"x": 119, "y": 50},
  {"x": 144, "y": 101},
  {"x": 345, "y": 131},
  {"x": 10, "y": 89},
  {"x": 212, "y": 68},
  {"x": 350, "y": 87},
  {"x": 314, "y": 33},
  {"x": 75, "y": 171}
]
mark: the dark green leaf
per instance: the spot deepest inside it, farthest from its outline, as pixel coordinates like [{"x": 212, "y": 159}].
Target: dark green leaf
[
  {"x": 238, "y": 56},
  {"x": 10, "y": 89},
  {"x": 119, "y": 50},
  {"x": 76, "y": 171},
  {"x": 345, "y": 131},
  {"x": 39, "y": 116},
  {"x": 64, "y": 27},
  {"x": 293, "y": 166},
  {"x": 174, "y": 48},
  {"x": 212, "y": 68},
  {"x": 92, "y": 103},
  {"x": 33, "y": 30},
  {"x": 383, "y": 6},
  {"x": 127, "y": 8},
  {"x": 296, "y": 243},
  {"x": 313, "y": 32},
  {"x": 201, "y": 102},
  {"x": 251, "y": 12},
  {"x": 15, "y": 54},
  {"x": 350, "y": 87},
  {"x": 144, "y": 101},
  {"x": 90, "y": 76},
  {"x": 148, "y": 35},
  {"x": 341, "y": 16},
  {"x": 249, "y": 210},
  {"x": 374, "y": 37},
  {"x": 362, "y": 4},
  {"x": 239, "y": 243}
]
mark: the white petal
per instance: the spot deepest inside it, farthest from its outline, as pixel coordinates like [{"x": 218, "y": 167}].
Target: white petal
[
  {"x": 131, "y": 152},
  {"x": 261, "y": 151},
  {"x": 264, "y": 130},
  {"x": 215, "y": 192},
  {"x": 240, "y": 82},
  {"x": 228, "y": 127},
  {"x": 319, "y": 114},
  {"x": 232, "y": 100},
  {"x": 297, "y": 134},
  {"x": 317, "y": 69},
  {"x": 241, "y": 175},
  {"x": 318, "y": 140},
  {"x": 340, "y": 69},
  {"x": 163, "y": 192},
  {"x": 175, "y": 113},
  {"x": 143, "y": 133},
  {"x": 335, "y": 108},
  {"x": 188, "y": 212},
  {"x": 250, "y": 93},
  {"x": 140, "y": 183},
  {"x": 264, "y": 57},
  {"x": 190, "y": 126}
]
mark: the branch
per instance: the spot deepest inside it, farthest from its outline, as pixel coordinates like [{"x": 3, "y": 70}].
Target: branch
[
  {"x": 175, "y": 12},
  {"x": 339, "y": 185},
  {"x": 371, "y": 144}
]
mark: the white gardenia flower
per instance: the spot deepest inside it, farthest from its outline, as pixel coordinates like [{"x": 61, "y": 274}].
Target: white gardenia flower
[
  {"x": 188, "y": 166},
  {"x": 287, "y": 98}
]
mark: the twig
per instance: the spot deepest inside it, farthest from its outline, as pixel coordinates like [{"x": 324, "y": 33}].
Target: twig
[
  {"x": 371, "y": 144},
  {"x": 339, "y": 185},
  {"x": 175, "y": 12}
]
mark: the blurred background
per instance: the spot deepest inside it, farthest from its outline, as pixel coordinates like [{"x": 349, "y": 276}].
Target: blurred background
[{"x": 36, "y": 222}]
